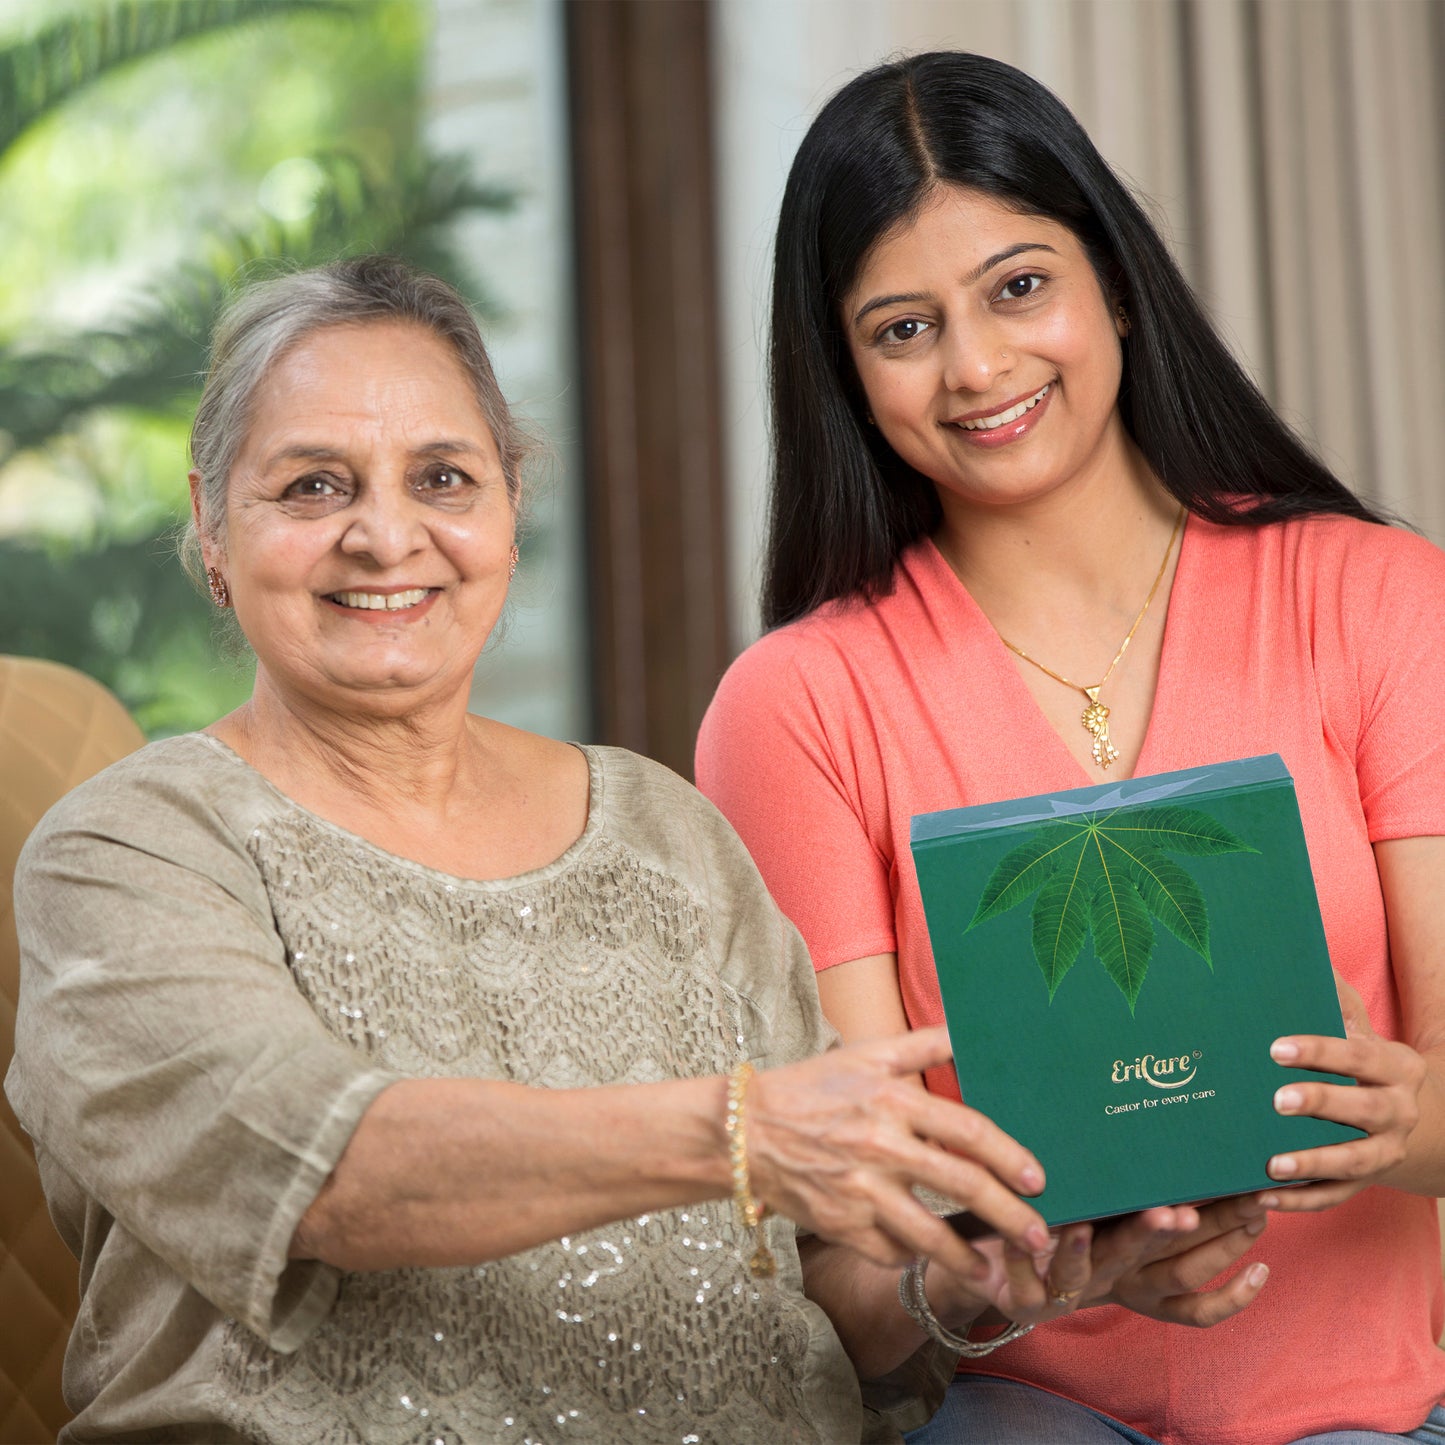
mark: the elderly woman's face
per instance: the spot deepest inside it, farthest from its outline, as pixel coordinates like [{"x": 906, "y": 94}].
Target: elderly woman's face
[{"x": 368, "y": 522}]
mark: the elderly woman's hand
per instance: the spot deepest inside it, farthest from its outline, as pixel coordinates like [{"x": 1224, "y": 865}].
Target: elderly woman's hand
[{"x": 836, "y": 1142}]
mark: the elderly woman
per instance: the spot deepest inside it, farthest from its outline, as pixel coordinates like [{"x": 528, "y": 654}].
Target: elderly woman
[{"x": 389, "y": 1067}]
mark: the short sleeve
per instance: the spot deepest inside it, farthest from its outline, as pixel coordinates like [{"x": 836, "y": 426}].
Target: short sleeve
[
  {"x": 1395, "y": 605},
  {"x": 773, "y": 756},
  {"x": 164, "y": 1059}
]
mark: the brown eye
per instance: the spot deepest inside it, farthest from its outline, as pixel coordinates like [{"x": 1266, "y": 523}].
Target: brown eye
[
  {"x": 445, "y": 479},
  {"x": 904, "y": 330},
  {"x": 1018, "y": 287},
  {"x": 314, "y": 486}
]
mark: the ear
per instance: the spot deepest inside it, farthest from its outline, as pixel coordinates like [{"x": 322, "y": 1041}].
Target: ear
[
  {"x": 209, "y": 550},
  {"x": 1122, "y": 322}
]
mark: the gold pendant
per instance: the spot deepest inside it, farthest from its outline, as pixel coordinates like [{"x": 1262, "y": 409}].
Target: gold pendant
[{"x": 1096, "y": 724}]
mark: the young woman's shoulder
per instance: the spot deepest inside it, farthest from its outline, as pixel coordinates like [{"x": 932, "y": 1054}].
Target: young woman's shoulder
[
  {"x": 825, "y": 650},
  {"x": 791, "y": 678},
  {"x": 1329, "y": 537},
  {"x": 1370, "y": 599},
  {"x": 1374, "y": 570},
  {"x": 1331, "y": 555}
]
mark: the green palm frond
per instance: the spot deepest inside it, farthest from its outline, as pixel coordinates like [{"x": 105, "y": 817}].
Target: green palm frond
[
  {"x": 155, "y": 358},
  {"x": 42, "y": 71}
]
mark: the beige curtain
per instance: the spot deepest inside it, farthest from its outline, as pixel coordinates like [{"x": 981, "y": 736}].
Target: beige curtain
[{"x": 1293, "y": 152}]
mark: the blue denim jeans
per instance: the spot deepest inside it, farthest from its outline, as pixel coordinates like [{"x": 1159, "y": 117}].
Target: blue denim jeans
[{"x": 982, "y": 1410}]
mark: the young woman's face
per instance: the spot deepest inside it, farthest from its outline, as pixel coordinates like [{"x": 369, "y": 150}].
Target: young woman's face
[{"x": 987, "y": 351}]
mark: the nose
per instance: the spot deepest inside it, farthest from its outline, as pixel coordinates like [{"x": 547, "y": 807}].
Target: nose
[
  {"x": 386, "y": 524},
  {"x": 975, "y": 356}
]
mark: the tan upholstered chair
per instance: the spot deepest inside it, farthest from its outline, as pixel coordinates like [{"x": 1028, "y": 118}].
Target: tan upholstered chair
[{"x": 57, "y": 727}]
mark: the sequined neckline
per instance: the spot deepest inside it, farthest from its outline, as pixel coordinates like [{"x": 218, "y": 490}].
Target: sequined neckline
[{"x": 567, "y": 859}]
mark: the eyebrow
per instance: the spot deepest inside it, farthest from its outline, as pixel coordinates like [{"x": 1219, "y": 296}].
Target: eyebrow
[
  {"x": 443, "y": 446},
  {"x": 977, "y": 274}
]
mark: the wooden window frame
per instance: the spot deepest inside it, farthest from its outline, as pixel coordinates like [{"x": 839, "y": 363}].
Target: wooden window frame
[{"x": 643, "y": 192}]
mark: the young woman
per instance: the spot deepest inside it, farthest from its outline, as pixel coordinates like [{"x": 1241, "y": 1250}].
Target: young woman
[{"x": 1033, "y": 528}]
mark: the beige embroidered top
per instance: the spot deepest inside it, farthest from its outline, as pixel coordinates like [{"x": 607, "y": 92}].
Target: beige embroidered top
[{"x": 216, "y": 984}]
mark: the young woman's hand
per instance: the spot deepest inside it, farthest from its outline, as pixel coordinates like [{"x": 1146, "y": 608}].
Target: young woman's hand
[
  {"x": 1156, "y": 1263},
  {"x": 1159, "y": 1266},
  {"x": 1384, "y": 1103},
  {"x": 836, "y": 1143}
]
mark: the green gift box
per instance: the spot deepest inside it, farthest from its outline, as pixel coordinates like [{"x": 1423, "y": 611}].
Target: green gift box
[{"x": 1115, "y": 962}]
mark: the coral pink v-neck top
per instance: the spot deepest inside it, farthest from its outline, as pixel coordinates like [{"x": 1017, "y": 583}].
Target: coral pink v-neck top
[{"x": 1322, "y": 640}]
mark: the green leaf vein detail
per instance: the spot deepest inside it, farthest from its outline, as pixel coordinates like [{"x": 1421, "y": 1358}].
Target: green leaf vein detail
[{"x": 1109, "y": 875}]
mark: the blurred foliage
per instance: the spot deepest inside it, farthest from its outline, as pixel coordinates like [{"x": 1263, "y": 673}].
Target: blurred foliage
[{"x": 152, "y": 152}]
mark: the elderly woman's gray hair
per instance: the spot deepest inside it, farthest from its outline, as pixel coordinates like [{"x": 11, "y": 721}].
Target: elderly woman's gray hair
[{"x": 264, "y": 321}]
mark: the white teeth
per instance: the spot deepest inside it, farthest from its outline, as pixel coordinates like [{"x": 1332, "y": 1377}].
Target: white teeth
[
  {"x": 382, "y": 601},
  {"x": 1003, "y": 418}
]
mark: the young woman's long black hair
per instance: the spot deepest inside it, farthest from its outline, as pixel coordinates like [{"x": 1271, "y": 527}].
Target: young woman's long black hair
[{"x": 844, "y": 505}]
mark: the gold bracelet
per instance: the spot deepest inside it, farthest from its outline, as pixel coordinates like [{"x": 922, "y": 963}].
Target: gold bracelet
[{"x": 750, "y": 1211}]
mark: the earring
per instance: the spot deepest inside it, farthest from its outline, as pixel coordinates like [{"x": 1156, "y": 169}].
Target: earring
[
  {"x": 868, "y": 417},
  {"x": 1125, "y": 325},
  {"x": 220, "y": 591},
  {"x": 512, "y": 565}
]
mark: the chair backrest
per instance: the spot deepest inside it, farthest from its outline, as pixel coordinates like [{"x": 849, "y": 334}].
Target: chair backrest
[{"x": 57, "y": 728}]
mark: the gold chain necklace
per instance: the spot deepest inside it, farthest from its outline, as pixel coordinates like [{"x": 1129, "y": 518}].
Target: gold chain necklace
[{"x": 1096, "y": 716}]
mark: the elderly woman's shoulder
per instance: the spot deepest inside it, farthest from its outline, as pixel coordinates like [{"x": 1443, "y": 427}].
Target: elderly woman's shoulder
[
  {"x": 156, "y": 795},
  {"x": 659, "y": 811},
  {"x": 631, "y": 780}
]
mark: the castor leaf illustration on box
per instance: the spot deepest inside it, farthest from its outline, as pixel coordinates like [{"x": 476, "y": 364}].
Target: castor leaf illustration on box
[{"x": 1109, "y": 874}]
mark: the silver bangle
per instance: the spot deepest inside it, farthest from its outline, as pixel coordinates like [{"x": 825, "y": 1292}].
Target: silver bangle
[{"x": 914, "y": 1299}]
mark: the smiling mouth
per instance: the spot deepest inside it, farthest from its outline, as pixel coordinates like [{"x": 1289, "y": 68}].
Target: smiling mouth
[
  {"x": 1003, "y": 418},
  {"x": 381, "y": 601}
]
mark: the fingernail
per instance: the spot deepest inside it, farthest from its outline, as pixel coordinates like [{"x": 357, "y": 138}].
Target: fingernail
[
  {"x": 1039, "y": 1239},
  {"x": 1283, "y": 1051},
  {"x": 1270, "y": 1201},
  {"x": 1031, "y": 1179},
  {"x": 1256, "y": 1274},
  {"x": 1283, "y": 1166},
  {"x": 1081, "y": 1244},
  {"x": 1255, "y": 1227},
  {"x": 1286, "y": 1101},
  {"x": 979, "y": 1269}
]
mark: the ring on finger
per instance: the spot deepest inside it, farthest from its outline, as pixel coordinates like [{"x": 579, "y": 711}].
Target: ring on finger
[{"x": 1065, "y": 1297}]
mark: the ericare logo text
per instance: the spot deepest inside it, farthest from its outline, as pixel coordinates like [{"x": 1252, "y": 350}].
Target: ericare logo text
[{"x": 1171, "y": 1072}]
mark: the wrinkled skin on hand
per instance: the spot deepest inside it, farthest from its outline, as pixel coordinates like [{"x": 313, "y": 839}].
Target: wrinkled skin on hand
[{"x": 837, "y": 1141}]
